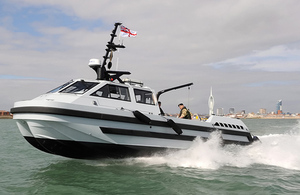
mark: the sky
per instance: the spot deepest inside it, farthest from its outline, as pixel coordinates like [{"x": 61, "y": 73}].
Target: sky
[{"x": 248, "y": 52}]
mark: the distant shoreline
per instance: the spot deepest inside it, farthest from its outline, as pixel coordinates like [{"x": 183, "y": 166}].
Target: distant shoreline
[
  {"x": 271, "y": 118},
  {"x": 6, "y": 117}
]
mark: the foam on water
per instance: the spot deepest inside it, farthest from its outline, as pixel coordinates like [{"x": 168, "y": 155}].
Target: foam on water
[{"x": 275, "y": 149}]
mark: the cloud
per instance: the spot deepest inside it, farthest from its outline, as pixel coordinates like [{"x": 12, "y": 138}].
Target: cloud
[
  {"x": 270, "y": 83},
  {"x": 276, "y": 59},
  {"x": 243, "y": 42},
  {"x": 15, "y": 77}
]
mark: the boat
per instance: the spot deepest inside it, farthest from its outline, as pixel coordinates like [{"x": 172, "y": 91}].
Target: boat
[{"x": 111, "y": 117}]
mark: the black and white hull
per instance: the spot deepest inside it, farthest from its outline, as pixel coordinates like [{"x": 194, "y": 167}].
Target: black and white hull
[{"x": 77, "y": 132}]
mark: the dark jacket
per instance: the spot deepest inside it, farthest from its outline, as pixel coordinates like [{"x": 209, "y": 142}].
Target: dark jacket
[{"x": 188, "y": 114}]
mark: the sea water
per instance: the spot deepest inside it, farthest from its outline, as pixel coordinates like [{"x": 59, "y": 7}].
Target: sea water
[{"x": 271, "y": 166}]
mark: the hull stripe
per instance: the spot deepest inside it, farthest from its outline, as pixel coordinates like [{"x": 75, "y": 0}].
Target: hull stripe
[{"x": 146, "y": 134}]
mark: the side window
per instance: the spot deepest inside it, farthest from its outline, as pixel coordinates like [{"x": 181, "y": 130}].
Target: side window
[
  {"x": 102, "y": 92},
  {"x": 113, "y": 92},
  {"x": 124, "y": 93},
  {"x": 144, "y": 97}
]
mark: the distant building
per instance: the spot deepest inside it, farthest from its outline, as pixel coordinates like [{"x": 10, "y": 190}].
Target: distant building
[
  {"x": 243, "y": 112},
  {"x": 262, "y": 111},
  {"x": 279, "y": 107},
  {"x": 231, "y": 110},
  {"x": 220, "y": 112},
  {"x": 5, "y": 114}
]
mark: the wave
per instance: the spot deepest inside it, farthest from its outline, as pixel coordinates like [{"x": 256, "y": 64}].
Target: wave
[{"x": 279, "y": 150}]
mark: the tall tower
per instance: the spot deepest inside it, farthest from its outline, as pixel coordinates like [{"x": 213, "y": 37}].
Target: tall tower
[
  {"x": 211, "y": 103},
  {"x": 279, "y": 107}
]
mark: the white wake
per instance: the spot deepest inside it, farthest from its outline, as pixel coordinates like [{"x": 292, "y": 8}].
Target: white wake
[{"x": 280, "y": 150}]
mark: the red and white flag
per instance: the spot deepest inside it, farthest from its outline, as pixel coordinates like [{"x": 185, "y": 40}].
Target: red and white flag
[{"x": 126, "y": 32}]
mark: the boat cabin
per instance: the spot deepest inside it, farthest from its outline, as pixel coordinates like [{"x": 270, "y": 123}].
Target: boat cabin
[{"x": 128, "y": 95}]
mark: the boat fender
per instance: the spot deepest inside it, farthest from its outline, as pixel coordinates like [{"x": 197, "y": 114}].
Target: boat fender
[
  {"x": 141, "y": 117},
  {"x": 174, "y": 126}
]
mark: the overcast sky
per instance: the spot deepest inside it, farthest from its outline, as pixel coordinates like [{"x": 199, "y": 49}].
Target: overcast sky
[{"x": 247, "y": 51}]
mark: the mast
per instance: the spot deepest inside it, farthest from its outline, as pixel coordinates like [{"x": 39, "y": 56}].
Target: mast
[{"x": 102, "y": 73}]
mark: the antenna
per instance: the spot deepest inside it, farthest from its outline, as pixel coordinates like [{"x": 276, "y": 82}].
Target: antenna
[
  {"x": 189, "y": 96},
  {"x": 111, "y": 47},
  {"x": 102, "y": 73}
]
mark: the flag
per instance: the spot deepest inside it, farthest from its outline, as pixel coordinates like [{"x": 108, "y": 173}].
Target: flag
[{"x": 126, "y": 32}]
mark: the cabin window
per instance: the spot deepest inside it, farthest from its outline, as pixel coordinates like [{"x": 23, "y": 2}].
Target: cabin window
[
  {"x": 230, "y": 125},
  {"x": 143, "y": 96},
  {"x": 217, "y": 124},
  {"x": 234, "y": 126},
  {"x": 225, "y": 125},
  {"x": 60, "y": 87},
  {"x": 113, "y": 92},
  {"x": 221, "y": 124},
  {"x": 79, "y": 87}
]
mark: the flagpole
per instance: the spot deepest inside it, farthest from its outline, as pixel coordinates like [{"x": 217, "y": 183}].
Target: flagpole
[{"x": 117, "y": 66}]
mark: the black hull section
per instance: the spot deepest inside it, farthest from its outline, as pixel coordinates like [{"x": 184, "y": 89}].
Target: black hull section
[{"x": 88, "y": 150}]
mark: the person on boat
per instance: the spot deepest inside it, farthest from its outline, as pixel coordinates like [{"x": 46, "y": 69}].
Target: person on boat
[
  {"x": 184, "y": 112},
  {"x": 161, "y": 110}
]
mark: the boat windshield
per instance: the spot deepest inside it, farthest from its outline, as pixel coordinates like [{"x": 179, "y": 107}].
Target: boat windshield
[
  {"x": 79, "y": 87},
  {"x": 60, "y": 87}
]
